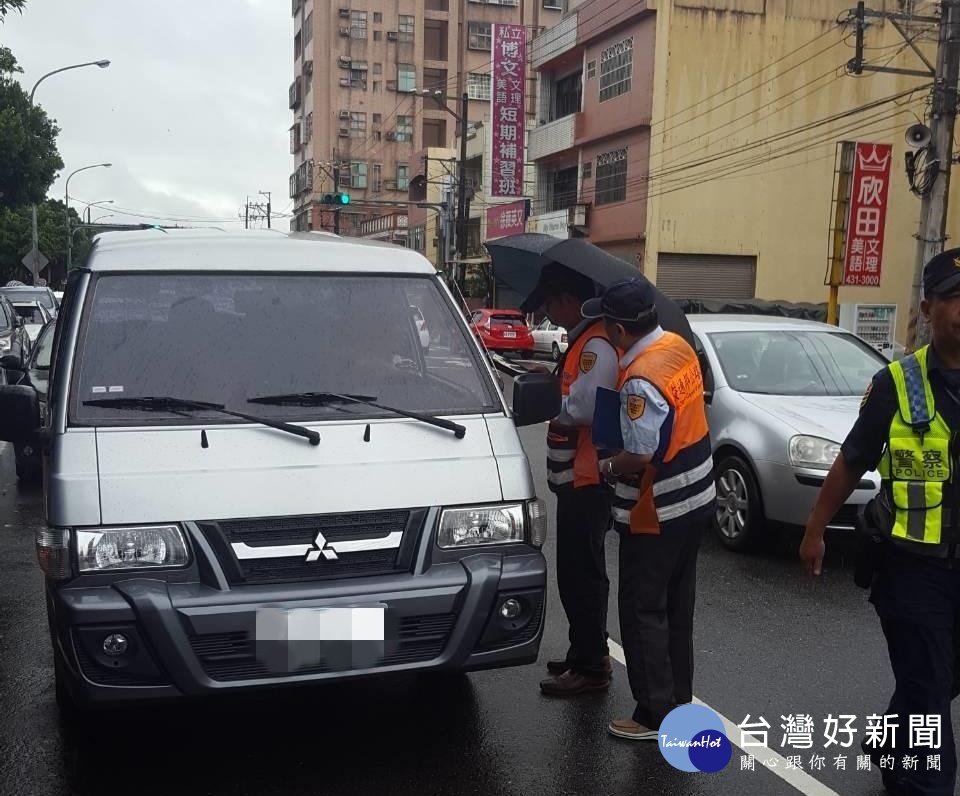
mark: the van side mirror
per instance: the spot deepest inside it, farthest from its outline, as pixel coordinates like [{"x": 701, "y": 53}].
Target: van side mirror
[
  {"x": 19, "y": 413},
  {"x": 11, "y": 362},
  {"x": 536, "y": 398}
]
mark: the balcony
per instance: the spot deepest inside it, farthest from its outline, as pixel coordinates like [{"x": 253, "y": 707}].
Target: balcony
[
  {"x": 552, "y": 138},
  {"x": 555, "y": 42}
]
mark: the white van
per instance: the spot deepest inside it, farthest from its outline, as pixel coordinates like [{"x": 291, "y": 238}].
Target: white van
[{"x": 256, "y": 475}]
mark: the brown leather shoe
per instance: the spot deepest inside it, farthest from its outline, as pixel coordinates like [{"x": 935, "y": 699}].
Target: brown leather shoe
[
  {"x": 631, "y": 730},
  {"x": 558, "y": 667},
  {"x": 571, "y": 683}
]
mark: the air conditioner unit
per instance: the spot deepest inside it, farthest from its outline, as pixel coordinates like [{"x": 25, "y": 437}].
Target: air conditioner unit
[
  {"x": 391, "y": 136},
  {"x": 392, "y": 35},
  {"x": 344, "y": 60},
  {"x": 344, "y": 82},
  {"x": 308, "y": 67},
  {"x": 391, "y": 85},
  {"x": 344, "y": 132},
  {"x": 344, "y": 114},
  {"x": 345, "y": 13},
  {"x": 344, "y": 31}
]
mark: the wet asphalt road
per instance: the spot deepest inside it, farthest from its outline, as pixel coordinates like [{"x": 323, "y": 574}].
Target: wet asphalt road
[{"x": 769, "y": 642}]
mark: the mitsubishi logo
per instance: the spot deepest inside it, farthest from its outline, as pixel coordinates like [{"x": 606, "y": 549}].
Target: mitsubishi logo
[{"x": 328, "y": 552}]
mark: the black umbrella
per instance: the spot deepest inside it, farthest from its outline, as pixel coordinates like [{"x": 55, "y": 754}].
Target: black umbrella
[{"x": 518, "y": 259}]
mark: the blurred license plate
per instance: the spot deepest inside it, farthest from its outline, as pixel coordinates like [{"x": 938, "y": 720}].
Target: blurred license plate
[{"x": 510, "y": 335}]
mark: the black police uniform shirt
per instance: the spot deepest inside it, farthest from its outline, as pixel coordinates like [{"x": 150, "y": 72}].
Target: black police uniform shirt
[{"x": 864, "y": 445}]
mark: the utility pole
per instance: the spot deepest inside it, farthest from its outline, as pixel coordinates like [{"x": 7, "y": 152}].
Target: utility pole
[
  {"x": 246, "y": 214},
  {"x": 268, "y": 195},
  {"x": 336, "y": 189},
  {"x": 463, "y": 211},
  {"x": 932, "y": 235}
]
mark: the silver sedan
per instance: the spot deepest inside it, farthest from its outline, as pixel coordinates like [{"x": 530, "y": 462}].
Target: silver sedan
[{"x": 782, "y": 395}]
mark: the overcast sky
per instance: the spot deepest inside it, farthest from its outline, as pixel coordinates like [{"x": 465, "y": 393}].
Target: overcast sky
[{"x": 192, "y": 112}]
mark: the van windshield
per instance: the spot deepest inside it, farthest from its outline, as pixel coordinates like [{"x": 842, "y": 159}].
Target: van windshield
[{"x": 227, "y": 338}]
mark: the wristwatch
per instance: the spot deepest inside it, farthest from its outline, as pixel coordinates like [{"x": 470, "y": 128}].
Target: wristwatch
[{"x": 608, "y": 468}]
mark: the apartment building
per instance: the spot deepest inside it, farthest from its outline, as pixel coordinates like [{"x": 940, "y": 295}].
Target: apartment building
[
  {"x": 360, "y": 113},
  {"x": 698, "y": 139}
]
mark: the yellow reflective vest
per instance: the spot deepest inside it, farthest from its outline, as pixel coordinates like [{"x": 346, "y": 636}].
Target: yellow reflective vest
[{"x": 916, "y": 465}]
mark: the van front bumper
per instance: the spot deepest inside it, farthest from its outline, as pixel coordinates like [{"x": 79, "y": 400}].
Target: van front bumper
[{"x": 190, "y": 639}]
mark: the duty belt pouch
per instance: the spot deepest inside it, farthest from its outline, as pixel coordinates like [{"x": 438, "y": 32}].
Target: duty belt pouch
[{"x": 871, "y": 547}]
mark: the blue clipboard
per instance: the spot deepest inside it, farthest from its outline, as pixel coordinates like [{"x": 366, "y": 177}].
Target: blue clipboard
[{"x": 606, "y": 420}]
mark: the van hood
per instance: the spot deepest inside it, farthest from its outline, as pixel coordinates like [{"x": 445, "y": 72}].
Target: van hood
[{"x": 163, "y": 474}]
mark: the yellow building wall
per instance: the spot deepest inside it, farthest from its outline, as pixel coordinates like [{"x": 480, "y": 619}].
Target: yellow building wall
[{"x": 773, "y": 200}]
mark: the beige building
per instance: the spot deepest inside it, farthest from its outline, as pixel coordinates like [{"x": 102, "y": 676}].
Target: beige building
[
  {"x": 705, "y": 140},
  {"x": 357, "y": 97}
]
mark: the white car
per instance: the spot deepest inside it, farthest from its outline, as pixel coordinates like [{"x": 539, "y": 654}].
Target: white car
[
  {"x": 548, "y": 338},
  {"x": 34, "y": 315}
]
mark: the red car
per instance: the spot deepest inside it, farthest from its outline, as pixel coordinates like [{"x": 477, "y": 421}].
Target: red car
[{"x": 503, "y": 331}]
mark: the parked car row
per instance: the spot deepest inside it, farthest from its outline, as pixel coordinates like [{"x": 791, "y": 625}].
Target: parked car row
[{"x": 505, "y": 331}]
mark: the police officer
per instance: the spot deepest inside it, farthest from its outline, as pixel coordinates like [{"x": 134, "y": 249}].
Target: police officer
[
  {"x": 573, "y": 473},
  {"x": 906, "y": 428},
  {"x": 665, "y": 496}
]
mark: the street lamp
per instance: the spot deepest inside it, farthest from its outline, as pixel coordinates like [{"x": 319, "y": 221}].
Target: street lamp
[
  {"x": 66, "y": 201},
  {"x": 108, "y": 215},
  {"x": 103, "y": 64},
  {"x": 97, "y": 204}
]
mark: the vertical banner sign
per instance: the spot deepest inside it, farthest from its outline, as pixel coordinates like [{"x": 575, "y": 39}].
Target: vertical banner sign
[
  {"x": 507, "y": 100},
  {"x": 868, "y": 215}
]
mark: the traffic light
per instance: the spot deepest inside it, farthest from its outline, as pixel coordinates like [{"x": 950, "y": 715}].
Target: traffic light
[{"x": 336, "y": 199}]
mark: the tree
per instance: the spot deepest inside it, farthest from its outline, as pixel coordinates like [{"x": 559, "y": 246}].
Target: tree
[
  {"x": 10, "y": 5},
  {"x": 51, "y": 229},
  {"x": 29, "y": 160}
]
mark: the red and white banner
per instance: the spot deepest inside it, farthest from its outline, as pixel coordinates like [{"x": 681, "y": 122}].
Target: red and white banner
[
  {"x": 506, "y": 219},
  {"x": 867, "y": 220},
  {"x": 507, "y": 117}
]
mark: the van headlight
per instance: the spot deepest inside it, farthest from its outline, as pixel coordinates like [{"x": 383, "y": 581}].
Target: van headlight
[
  {"x": 137, "y": 547},
  {"x": 813, "y": 452},
  {"x": 505, "y": 523}
]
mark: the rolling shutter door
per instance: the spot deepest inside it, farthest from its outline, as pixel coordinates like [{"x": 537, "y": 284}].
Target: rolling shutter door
[{"x": 707, "y": 276}]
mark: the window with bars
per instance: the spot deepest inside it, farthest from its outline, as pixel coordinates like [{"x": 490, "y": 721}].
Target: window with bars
[
  {"x": 404, "y": 130},
  {"x": 567, "y": 96},
  {"x": 406, "y": 28},
  {"x": 563, "y": 186},
  {"x": 406, "y": 77},
  {"x": 358, "y": 24},
  {"x": 358, "y": 78},
  {"x": 479, "y": 36},
  {"x": 611, "y": 182},
  {"x": 378, "y": 69},
  {"x": 588, "y": 168},
  {"x": 308, "y": 29},
  {"x": 358, "y": 174},
  {"x": 403, "y": 176},
  {"x": 478, "y": 86},
  {"x": 616, "y": 69},
  {"x": 358, "y": 124},
  {"x": 377, "y": 16},
  {"x": 308, "y": 128}
]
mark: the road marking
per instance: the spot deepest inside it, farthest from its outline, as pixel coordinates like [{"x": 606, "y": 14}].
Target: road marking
[{"x": 797, "y": 778}]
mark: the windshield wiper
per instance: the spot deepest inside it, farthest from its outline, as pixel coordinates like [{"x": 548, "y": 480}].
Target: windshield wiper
[
  {"x": 151, "y": 403},
  {"x": 321, "y": 398}
]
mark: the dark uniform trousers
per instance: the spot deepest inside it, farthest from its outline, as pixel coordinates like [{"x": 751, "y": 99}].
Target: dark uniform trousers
[
  {"x": 583, "y": 518},
  {"x": 658, "y": 585},
  {"x": 918, "y": 602}
]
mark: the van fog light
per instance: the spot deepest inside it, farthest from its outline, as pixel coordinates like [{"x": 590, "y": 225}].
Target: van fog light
[
  {"x": 115, "y": 644},
  {"x": 510, "y": 609}
]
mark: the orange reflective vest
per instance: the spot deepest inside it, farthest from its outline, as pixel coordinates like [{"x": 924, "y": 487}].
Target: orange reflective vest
[
  {"x": 679, "y": 480},
  {"x": 573, "y": 461}
]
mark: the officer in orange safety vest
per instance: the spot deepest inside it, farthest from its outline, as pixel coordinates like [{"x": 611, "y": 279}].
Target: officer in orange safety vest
[
  {"x": 573, "y": 474},
  {"x": 664, "y": 498}
]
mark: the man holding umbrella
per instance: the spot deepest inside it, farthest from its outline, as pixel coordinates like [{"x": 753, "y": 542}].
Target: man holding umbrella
[{"x": 573, "y": 474}]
